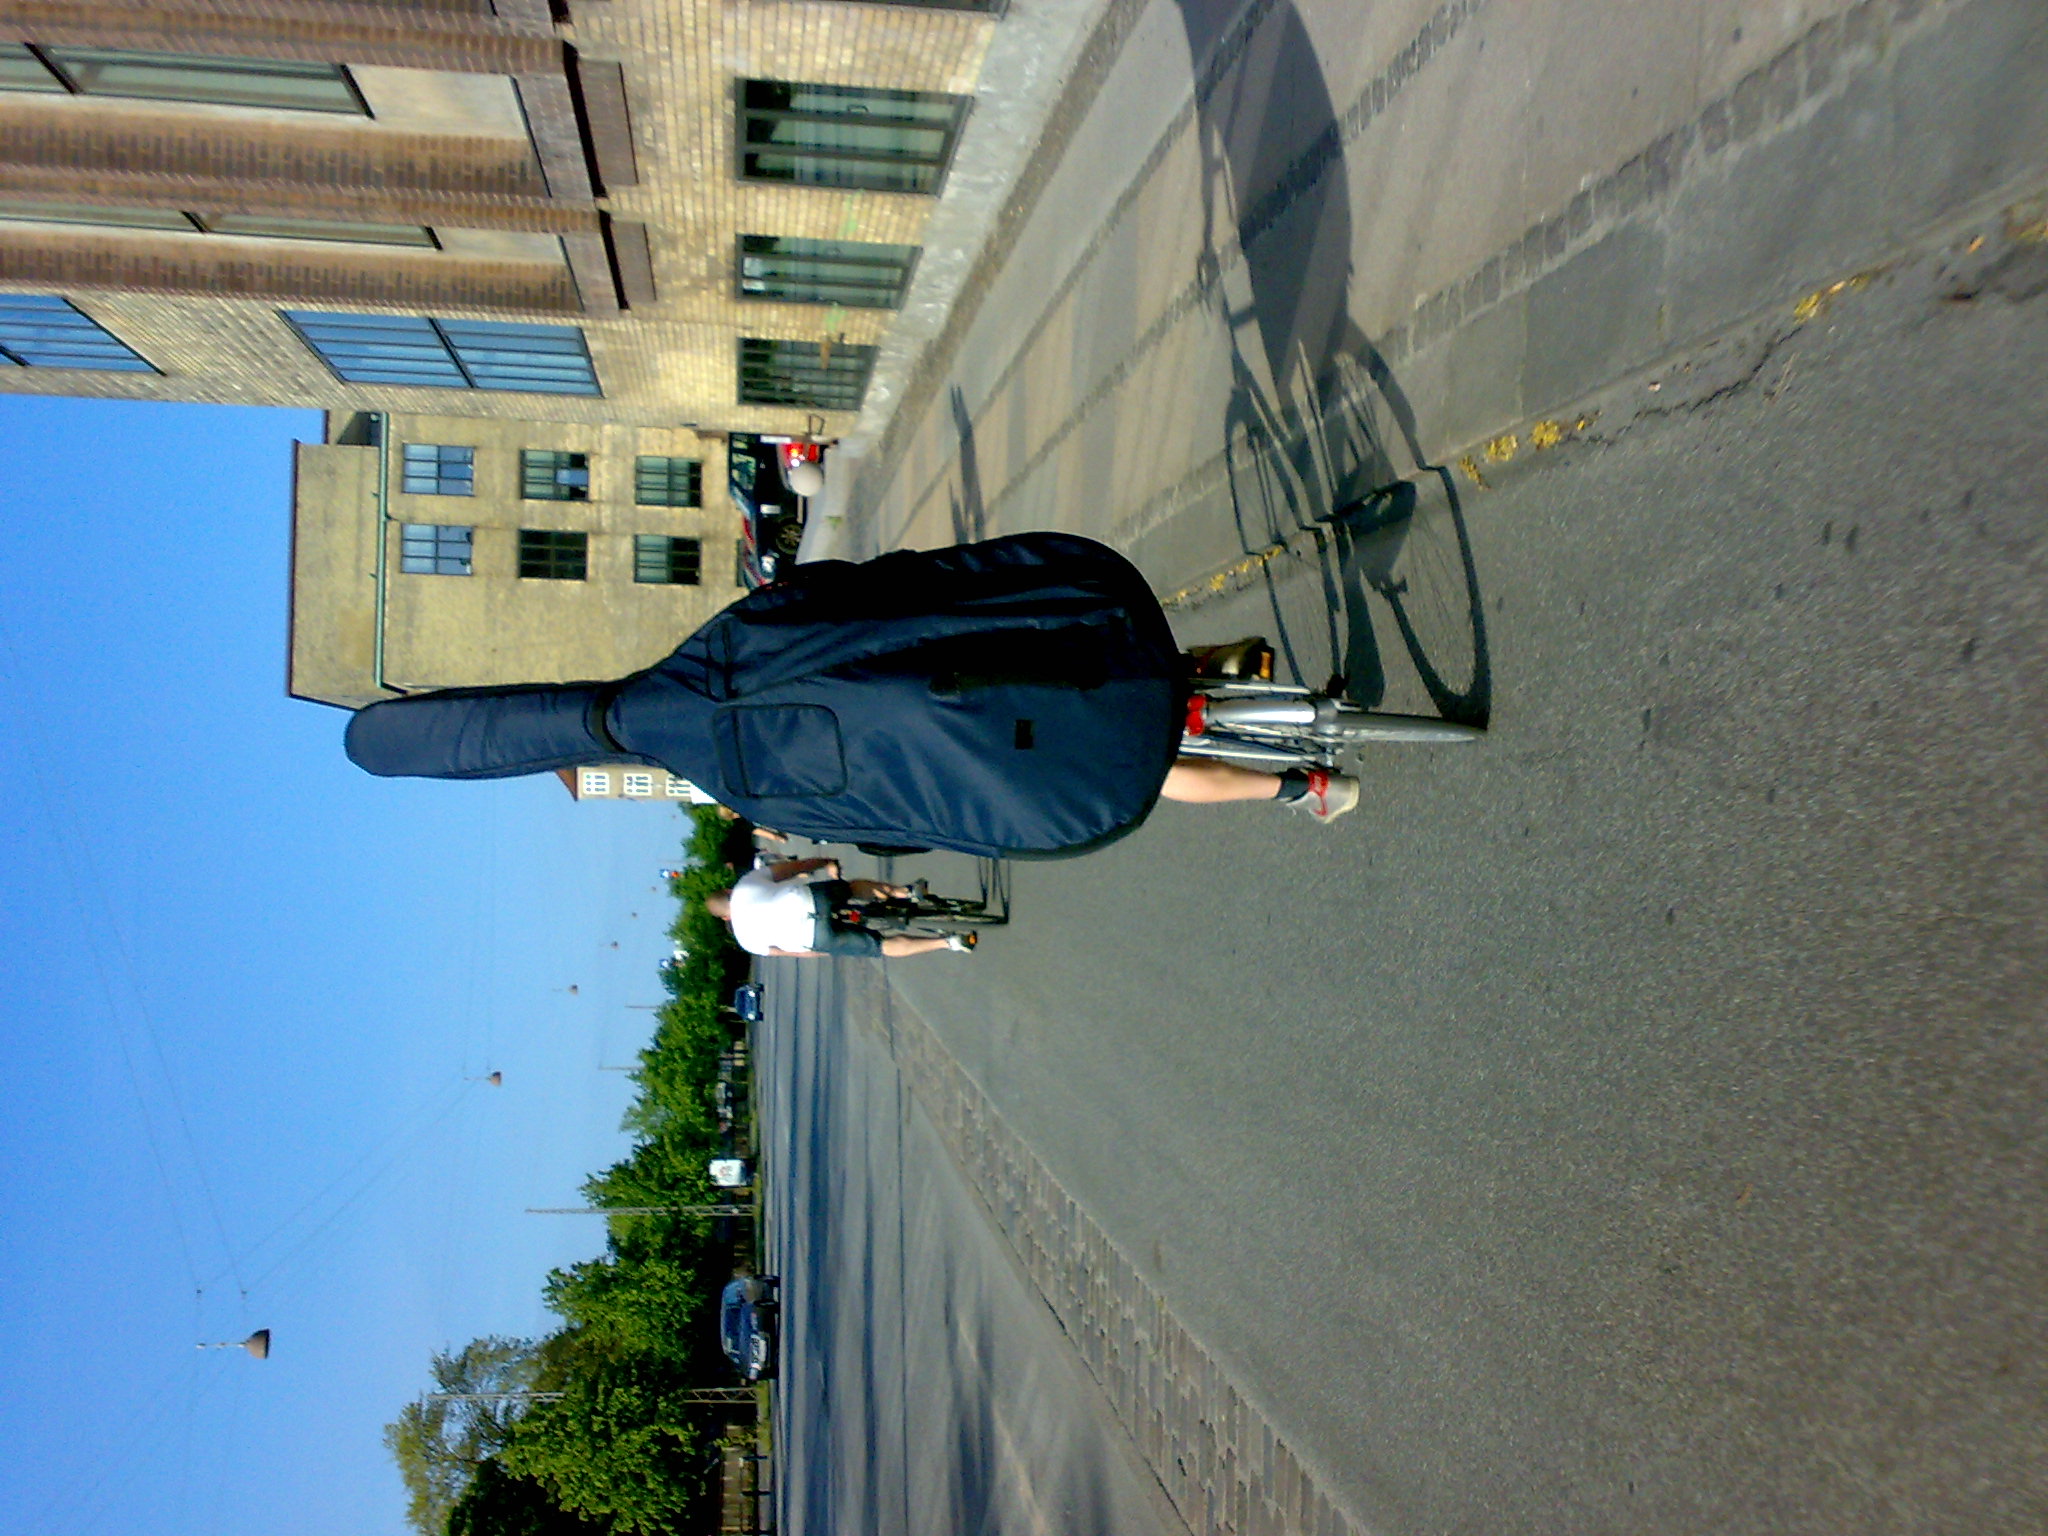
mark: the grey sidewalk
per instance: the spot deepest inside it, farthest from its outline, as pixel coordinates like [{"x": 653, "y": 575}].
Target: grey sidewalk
[{"x": 1292, "y": 250}]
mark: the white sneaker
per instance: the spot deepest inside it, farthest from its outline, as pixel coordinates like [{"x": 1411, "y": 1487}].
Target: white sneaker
[
  {"x": 1328, "y": 796},
  {"x": 962, "y": 943}
]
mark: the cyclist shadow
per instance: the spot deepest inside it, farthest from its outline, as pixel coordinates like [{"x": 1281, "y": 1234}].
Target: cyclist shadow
[
  {"x": 1318, "y": 434},
  {"x": 969, "y": 511}
]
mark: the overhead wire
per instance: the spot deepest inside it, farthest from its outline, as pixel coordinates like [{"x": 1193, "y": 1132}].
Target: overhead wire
[{"x": 56, "y": 823}]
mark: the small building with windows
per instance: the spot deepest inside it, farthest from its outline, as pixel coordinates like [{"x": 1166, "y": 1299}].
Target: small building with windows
[
  {"x": 451, "y": 551},
  {"x": 631, "y": 784}
]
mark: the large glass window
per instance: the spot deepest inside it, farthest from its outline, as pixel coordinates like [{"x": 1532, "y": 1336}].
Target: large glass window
[
  {"x": 21, "y": 70},
  {"x": 295, "y": 85},
  {"x": 846, "y": 272},
  {"x": 450, "y": 354},
  {"x": 348, "y": 232},
  {"x": 435, "y": 549},
  {"x": 180, "y": 222},
  {"x": 665, "y": 482},
  {"x": 548, "y": 475},
  {"x": 662, "y": 561},
  {"x": 553, "y": 554},
  {"x": 847, "y": 135},
  {"x": 86, "y": 213},
  {"x": 438, "y": 469},
  {"x": 803, "y": 373},
  {"x": 42, "y": 331}
]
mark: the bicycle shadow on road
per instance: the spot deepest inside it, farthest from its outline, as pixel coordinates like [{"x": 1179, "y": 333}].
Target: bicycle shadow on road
[
  {"x": 968, "y": 509},
  {"x": 1318, "y": 434}
]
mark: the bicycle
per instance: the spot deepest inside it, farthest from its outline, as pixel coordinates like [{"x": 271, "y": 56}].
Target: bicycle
[
  {"x": 920, "y": 915},
  {"x": 1237, "y": 713}
]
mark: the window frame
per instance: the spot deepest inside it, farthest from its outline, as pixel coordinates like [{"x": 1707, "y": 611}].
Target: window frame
[
  {"x": 52, "y": 57},
  {"x": 552, "y": 548},
  {"x": 560, "y": 461},
  {"x": 446, "y": 335},
  {"x": 825, "y": 251},
  {"x": 434, "y": 561},
  {"x": 441, "y": 451},
  {"x": 649, "y": 555},
  {"x": 11, "y": 354},
  {"x": 746, "y": 149},
  {"x": 182, "y": 221},
  {"x": 694, "y": 490},
  {"x": 780, "y": 347}
]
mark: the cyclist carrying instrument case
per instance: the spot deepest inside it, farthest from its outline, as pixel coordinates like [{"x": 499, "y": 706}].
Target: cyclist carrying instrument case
[{"x": 1019, "y": 696}]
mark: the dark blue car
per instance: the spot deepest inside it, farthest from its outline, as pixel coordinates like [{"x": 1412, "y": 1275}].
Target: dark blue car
[
  {"x": 746, "y": 1002},
  {"x": 746, "y": 1326}
]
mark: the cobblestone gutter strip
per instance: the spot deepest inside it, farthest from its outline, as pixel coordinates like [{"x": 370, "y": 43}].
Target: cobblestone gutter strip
[{"x": 1223, "y": 1467}]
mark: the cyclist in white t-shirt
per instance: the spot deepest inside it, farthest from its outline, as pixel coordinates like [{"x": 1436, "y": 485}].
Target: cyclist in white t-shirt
[{"x": 779, "y": 909}]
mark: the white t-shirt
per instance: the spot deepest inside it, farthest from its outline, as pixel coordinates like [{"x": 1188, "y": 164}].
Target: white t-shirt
[{"x": 770, "y": 914}]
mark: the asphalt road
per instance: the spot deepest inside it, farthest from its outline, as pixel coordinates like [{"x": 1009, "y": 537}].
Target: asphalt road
[
  {"x": 1630, "y": 1122},
  {"x": 925, "y": 1389}
]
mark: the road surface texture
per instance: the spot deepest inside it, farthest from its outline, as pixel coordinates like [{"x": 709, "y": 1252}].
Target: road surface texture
[
  {"x": 1632, "y": 1121},
  {"x": 925, "y": 1389}
]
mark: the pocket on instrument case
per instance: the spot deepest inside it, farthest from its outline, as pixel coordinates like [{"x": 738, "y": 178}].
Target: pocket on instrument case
[{"x": 773, "y": 751}]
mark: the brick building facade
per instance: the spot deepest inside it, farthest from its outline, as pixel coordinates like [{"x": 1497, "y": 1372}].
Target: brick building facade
[
  {"x": 610, "y": 230},
  {"x": 188, "y": 176}
]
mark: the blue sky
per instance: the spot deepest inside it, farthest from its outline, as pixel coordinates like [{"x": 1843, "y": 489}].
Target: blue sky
[{"x": 244, "y": 985}]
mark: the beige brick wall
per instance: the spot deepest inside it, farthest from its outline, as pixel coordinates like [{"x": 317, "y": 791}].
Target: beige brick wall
[{"x": 661, "y": 364}]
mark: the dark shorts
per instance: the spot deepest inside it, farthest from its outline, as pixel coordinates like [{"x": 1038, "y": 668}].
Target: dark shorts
[{"x": 835, "y": 938}]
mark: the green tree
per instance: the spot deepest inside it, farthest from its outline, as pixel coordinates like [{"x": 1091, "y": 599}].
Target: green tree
[
  {"x": 499, "y": 1504},
  {"x": 440, "y": 1445},
  {"x": 619, "y": 1447}
]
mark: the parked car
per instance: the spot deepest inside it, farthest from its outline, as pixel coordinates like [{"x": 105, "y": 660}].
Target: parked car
[
  {"x": 747, "y": 1312},
  {"x": 746, "y": 1002},
  {"x": 758, "y": 472}
]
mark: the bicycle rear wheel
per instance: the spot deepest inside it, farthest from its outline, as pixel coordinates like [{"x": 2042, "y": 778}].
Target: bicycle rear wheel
[{"x": 1353, "y": 724}]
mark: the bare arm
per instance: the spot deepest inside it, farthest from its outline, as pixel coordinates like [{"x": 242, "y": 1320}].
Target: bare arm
[
  {"x": 795, "y": 954},
  {"x": 789, "y": 869}
]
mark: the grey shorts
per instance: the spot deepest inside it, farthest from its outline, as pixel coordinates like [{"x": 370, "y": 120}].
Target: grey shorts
[{"x": 834, "y": 938}]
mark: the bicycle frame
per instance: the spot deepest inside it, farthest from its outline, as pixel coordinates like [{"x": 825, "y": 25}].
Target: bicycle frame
[{"x": 1279, "y": 725}]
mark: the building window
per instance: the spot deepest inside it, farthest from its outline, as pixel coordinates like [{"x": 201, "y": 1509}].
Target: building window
[
  {"x": 803, "y": 373},
  {"x": 435, "y": 549},
  {"x": 678, "y": 789},
  {"x": 847, "y": 135},
  {"x": 268, "y": 228},
  {"x": 553, "y": 554},
  {"x": 294, "y": 85},
  {"x": 845, "y": 272},
  {"x": 663, "y": 482},
  {"x": 177, "y": 222},
  {"x": 439, "y": 469},
  {"x": 546, "y": 475},
  {"x": 593, "y": 781},
  {"x": 661, "y": 561},
  {"x": 637, "y": 783},
  {"x": 449, "y": 354},
  {"x": 42, "y": 331},
  {"x": 112, "y": 218}
]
